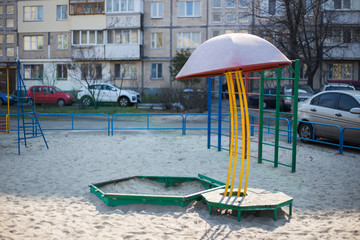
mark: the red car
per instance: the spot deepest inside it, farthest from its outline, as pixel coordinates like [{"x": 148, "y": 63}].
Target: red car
[{"x": 49, "y": 95}]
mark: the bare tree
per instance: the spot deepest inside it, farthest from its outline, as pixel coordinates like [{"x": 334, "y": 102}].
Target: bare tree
[{"x": 299, "y": 28}]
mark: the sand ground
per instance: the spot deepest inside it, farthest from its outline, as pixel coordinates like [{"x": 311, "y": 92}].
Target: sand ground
[{"x": 44, "y": 194}]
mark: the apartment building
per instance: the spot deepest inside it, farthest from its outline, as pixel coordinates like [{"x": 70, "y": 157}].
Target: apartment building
[
  {"x": 131, "y": 42},
  {"x": 8, "y": 43}
]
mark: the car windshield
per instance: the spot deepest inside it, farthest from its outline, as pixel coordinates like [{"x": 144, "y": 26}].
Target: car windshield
[{"x": 58, "y": 89}]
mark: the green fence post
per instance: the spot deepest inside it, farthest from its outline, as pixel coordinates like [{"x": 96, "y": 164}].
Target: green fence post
[
  {"x": 261, "y": 115},
  {"x": 277, "y": 116},
  {"x": 295, "y": 119}
]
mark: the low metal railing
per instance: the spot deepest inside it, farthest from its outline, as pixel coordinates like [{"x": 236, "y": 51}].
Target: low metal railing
[{"x": 183, "y": 125}]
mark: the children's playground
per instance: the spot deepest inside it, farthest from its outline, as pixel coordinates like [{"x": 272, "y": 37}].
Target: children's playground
[{"x": 236, "y": 179}]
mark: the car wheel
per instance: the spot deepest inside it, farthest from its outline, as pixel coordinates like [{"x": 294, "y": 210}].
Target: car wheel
[
  {"x": 2, "y": 102},
  {"x": 264, "y": 105},
  {"x": 86, "y": 101},
  {"x": 61, "y": 102},
  {"x": 123, "y": 102},
  {"x": 306, "y": 132}
]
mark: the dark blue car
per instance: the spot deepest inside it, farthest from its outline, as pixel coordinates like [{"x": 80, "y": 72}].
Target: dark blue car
[
  {"x": 269, "y": 101},
  {"x": 3, "y": 98}
]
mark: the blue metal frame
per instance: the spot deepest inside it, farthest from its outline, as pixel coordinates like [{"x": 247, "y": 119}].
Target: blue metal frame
[
  {"x": 33, "y": 126},
  {"x": 72, "y": 120}
]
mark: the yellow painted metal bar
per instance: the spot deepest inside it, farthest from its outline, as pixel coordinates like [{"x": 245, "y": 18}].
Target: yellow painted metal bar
[
  {"x": 243, "y": 128},
  {"x": 235, "y": 122},
  {"x": 230, "y": 90},
  {"x": 247, "y": 134}
]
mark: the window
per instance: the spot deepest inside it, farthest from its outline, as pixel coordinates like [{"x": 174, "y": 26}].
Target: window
[
  {"x": 156, "y": 71},
  {"x": 229, "y": 3},
  {"x": 62, "y": 41},
  {"x": 230, "y": 17},
  {"x": 328, "y": 100},
  {"x": 85, "y": 37},
  {"x": 1, "y": 38},
  {"x": 243, "y": 3},
  {"x": 216, "y": 33},
  {"x": 123, "y": 36},
  {"x": 62, "y": 13},
  {"x": 33, "y": 13},
  {"x": 243, "y": 17},
  {"x": 125, "y": 71},
  {"x": 32, "y": 43},
  {"x": 189, "y": 9},
  {"x": 216, "y": 18},
  {"x": 340, "y": 71},
  {"x": 216, "y": 3},
  {"x": 156, "y": 40},
  {"x": 272, "y": 7},
  {"x": 229, "y": 31},
  {"x": 10, "y": 23},
  {"x": 91, "y": 71},
  {"x": 120, "y": 6},
  {"x": 10, "y": 52},
  {"x": 342, "y": 4},
  {"x": 188, "y": 39},
  {"x": 347, "y": 102},
  {"x": 1, "y": 22},
  {"x": 157, "y": 10},
  {"x": 61, "y": 71},
  {"x": 86, "y": 7},
  {"x": 1, "y": 52},
  {"x": 1, "y": 9},
  {"x": 10, "y": 9},
  {"x": 10, "y": 38},
  {"x": 36, "y": 89},
  {"x": 340, "y": 35},
  {"x": 33, "y": 72}
]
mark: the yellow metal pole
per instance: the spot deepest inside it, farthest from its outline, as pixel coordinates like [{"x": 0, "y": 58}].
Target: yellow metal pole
[
  {"x": 235, "y": 123},
  {"x": 247, "y": 134},
  {"x": 228, "y": 79},
  {"x": 243, "y": 127}
]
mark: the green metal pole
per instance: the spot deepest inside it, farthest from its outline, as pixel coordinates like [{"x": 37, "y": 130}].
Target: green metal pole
[
  {"x": 261, "y": 115},
  {"x": 295, "y": 113},
  {"x": 277, "y": 116}
]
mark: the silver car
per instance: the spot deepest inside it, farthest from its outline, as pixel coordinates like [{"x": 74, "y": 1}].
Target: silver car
[{"x": 341, "y": 108}]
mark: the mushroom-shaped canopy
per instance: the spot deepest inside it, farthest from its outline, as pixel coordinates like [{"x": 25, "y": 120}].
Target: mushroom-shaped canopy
[{"x": 232, "y": 52}]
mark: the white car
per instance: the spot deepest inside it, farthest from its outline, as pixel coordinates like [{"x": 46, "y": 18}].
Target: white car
[{"x": 105, "y": 92}]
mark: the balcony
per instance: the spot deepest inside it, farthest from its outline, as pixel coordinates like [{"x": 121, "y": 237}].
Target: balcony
[
  {"x": 86, "y": 7},
  {"x": 123, "y": 20},
  {"x": 87, "y": 52},
  {"x": 122, "y": 51},
  {"x": 106, "y": 52}
]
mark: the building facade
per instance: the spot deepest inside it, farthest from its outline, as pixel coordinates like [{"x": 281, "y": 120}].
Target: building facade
[
  {"x": 69, "y": 43},
  {"x": 8, "y": 43}
]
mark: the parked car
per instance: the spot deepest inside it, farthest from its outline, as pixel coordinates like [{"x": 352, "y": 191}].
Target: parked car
[
  {"x": 337, "y": 86},
  {"x": 3, "y": 99},
  {"x": 340, "y": 108},
  {"x": 105, "y": 92},
  {"x": 49, "y": 95},
  {"x": 269, "y": 101},
  {"x": 304, "y": 92}
]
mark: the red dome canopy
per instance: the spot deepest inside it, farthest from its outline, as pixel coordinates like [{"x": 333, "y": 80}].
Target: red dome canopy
[{"x": 232, "y": 52}]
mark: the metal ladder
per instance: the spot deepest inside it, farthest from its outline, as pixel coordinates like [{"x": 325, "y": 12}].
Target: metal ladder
[{"x": 27, "y": 121}]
